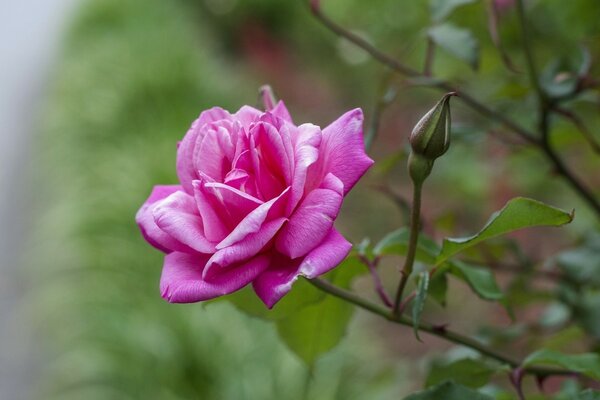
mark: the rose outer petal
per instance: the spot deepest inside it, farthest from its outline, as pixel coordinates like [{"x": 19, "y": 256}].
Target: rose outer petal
[
  {"x": 151, "y": 232},
  {"x": 343, "y": 149},
  {"x": 277, "y": 281},
  {"x": 178, "y": 216},
  {"x": 181, "y": 280}
]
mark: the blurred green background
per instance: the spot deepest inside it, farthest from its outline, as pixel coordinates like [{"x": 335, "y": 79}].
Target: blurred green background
[{"x": 130, "y": 78}]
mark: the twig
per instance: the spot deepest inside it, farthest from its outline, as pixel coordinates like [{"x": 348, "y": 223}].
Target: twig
[
  {"x": 466, "y": 98},
  {"x": 435, "y": 330},
  {"x": 580, "y": 125},
  {"x": 372, "y": 266}
]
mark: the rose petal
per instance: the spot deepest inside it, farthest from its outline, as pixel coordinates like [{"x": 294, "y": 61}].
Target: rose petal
[
  {"x": 244, "y": 249},
  {"x": 235, "y": 204},
  {"x": 151, "y": 232},
  {"x": 281, "y": 111},
  {"x": 186, "y": 171},
  {"x": 215, "y": 228},
  {"x": 215, "y": 152},
  {"x": 306, "y": 153},
  {"x": 181, "y": 280},
  {"x": 247, "y": 115},
  {"x": 278, "y": 279},
  {"x": 254, "y": 220},
  {"x": 312, "y": 220},
  {"x": 343, "y": 150},
  {"x": 178, "y": 216}
]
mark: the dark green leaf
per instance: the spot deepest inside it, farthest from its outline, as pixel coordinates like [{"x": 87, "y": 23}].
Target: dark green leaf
[
  {"x": 457, "y": 41},
  {"x": 440, "y": 9},
  {"x": 480, "y": 279},
  {"x": 587, "y": 363},
  {"x": 448, "y": 391},
  {"x": 517, "y": 214},
  {"x": 419, "y": 301},
  {"x": 469, "y": 372}
]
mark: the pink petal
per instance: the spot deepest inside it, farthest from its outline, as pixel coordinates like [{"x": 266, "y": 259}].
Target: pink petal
[
  {"x": 275, "y": 148},
  {"x": 235, "y": 204},
  {"x": 215, "y": 228},
  {"x": 151, "y": 232},
  {"x": 343, "y": 149},
  {"x": 247, "y": 115},
  {"x": 312, "y": 220},
  {"x": 178, "y": 216},
  {"x": 306, "y": 153},
  {"x": 186, "y": 170},
  {"x": 181, "y": 280},
  {"x": 269, "y": 182},
  {"x": 254, "y": 220},
  {"x": 282, "y": 112},
  {"x": 277, "y": 281},
  {"x": 252, "y": 244},
  {"x": 215, "y": 151}
]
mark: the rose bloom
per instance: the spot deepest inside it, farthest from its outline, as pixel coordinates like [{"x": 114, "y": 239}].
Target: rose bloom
[{"x": 256, "y": 203}]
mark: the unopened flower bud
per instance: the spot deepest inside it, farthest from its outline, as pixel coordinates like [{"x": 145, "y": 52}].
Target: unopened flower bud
[{"x": 430, "y": 138}]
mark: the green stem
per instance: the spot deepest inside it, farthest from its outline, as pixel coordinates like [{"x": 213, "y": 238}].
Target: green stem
[
  {"x": 439, "y": 331},
  {"x": 415, "y": 225}
]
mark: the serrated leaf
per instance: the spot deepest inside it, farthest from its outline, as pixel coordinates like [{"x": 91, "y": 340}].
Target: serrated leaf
[
  {"x": 480, "y": 279},
  {"x": 469, "y": 372},
  {"x": 317, "y": 328},
  {"x": 419, "y": 301},
  {"x": 457, "y": 41},
  {"x": 440, "y": 9},
  {"x": 586, "y": 363},
  {"x": 517, "y": 214},
  {"x": 449, "y": 390}
]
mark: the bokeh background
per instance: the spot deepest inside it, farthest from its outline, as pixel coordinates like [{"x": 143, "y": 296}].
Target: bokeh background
[{"x": 96, "y": 93}]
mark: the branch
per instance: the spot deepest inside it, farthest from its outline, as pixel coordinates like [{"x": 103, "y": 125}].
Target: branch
[
  {"x": 469, "y": 100},
  {"x": 439, "y": 331}
]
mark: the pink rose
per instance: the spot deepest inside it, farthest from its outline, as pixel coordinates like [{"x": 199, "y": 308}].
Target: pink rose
[{"x": 256, "y": 204}]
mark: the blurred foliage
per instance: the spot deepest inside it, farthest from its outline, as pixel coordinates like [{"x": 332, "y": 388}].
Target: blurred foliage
[{"x": 134, "y": 74}]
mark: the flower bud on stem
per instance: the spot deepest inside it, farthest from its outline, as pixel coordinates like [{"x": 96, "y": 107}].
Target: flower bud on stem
[{"x": 429, "y": 140}]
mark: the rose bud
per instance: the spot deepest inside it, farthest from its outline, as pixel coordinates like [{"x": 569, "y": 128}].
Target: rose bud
[
  {"x": 430, "y": 137},
  {"x": 255, "y": 204}
]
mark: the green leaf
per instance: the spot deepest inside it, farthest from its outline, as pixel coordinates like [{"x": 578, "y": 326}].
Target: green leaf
[
  {"x": 438, "y": 288},
  {"x": 481, "y": 280},
  {"x": 315, "y": 329},
  {"x": 517, "y": 214},
  {"x": 440, "y": 9},
  {"x": 419, "y": 301},
  {"x": 457, "y": 41},
  {"x": 448, "y": 390},
  {"x": 396, "y": 243},
  {"x": 301, "y": 295},
  {"x": 311, "y": 331},
  {"x": 589, "y": 394},
  {"x": 586, "y": 363},
  {"x": 469, "y": 372}
]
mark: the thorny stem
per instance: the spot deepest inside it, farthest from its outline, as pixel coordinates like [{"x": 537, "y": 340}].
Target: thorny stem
[
  {"x": 466, "y": 98},
  {"x": 435, "y": 330},
  {"x": 415, "y": 224}
]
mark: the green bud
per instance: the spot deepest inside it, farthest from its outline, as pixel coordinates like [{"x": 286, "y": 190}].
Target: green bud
[
  {"x": 430, "y": 138},
  {"x": 419, "y": 168}
]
